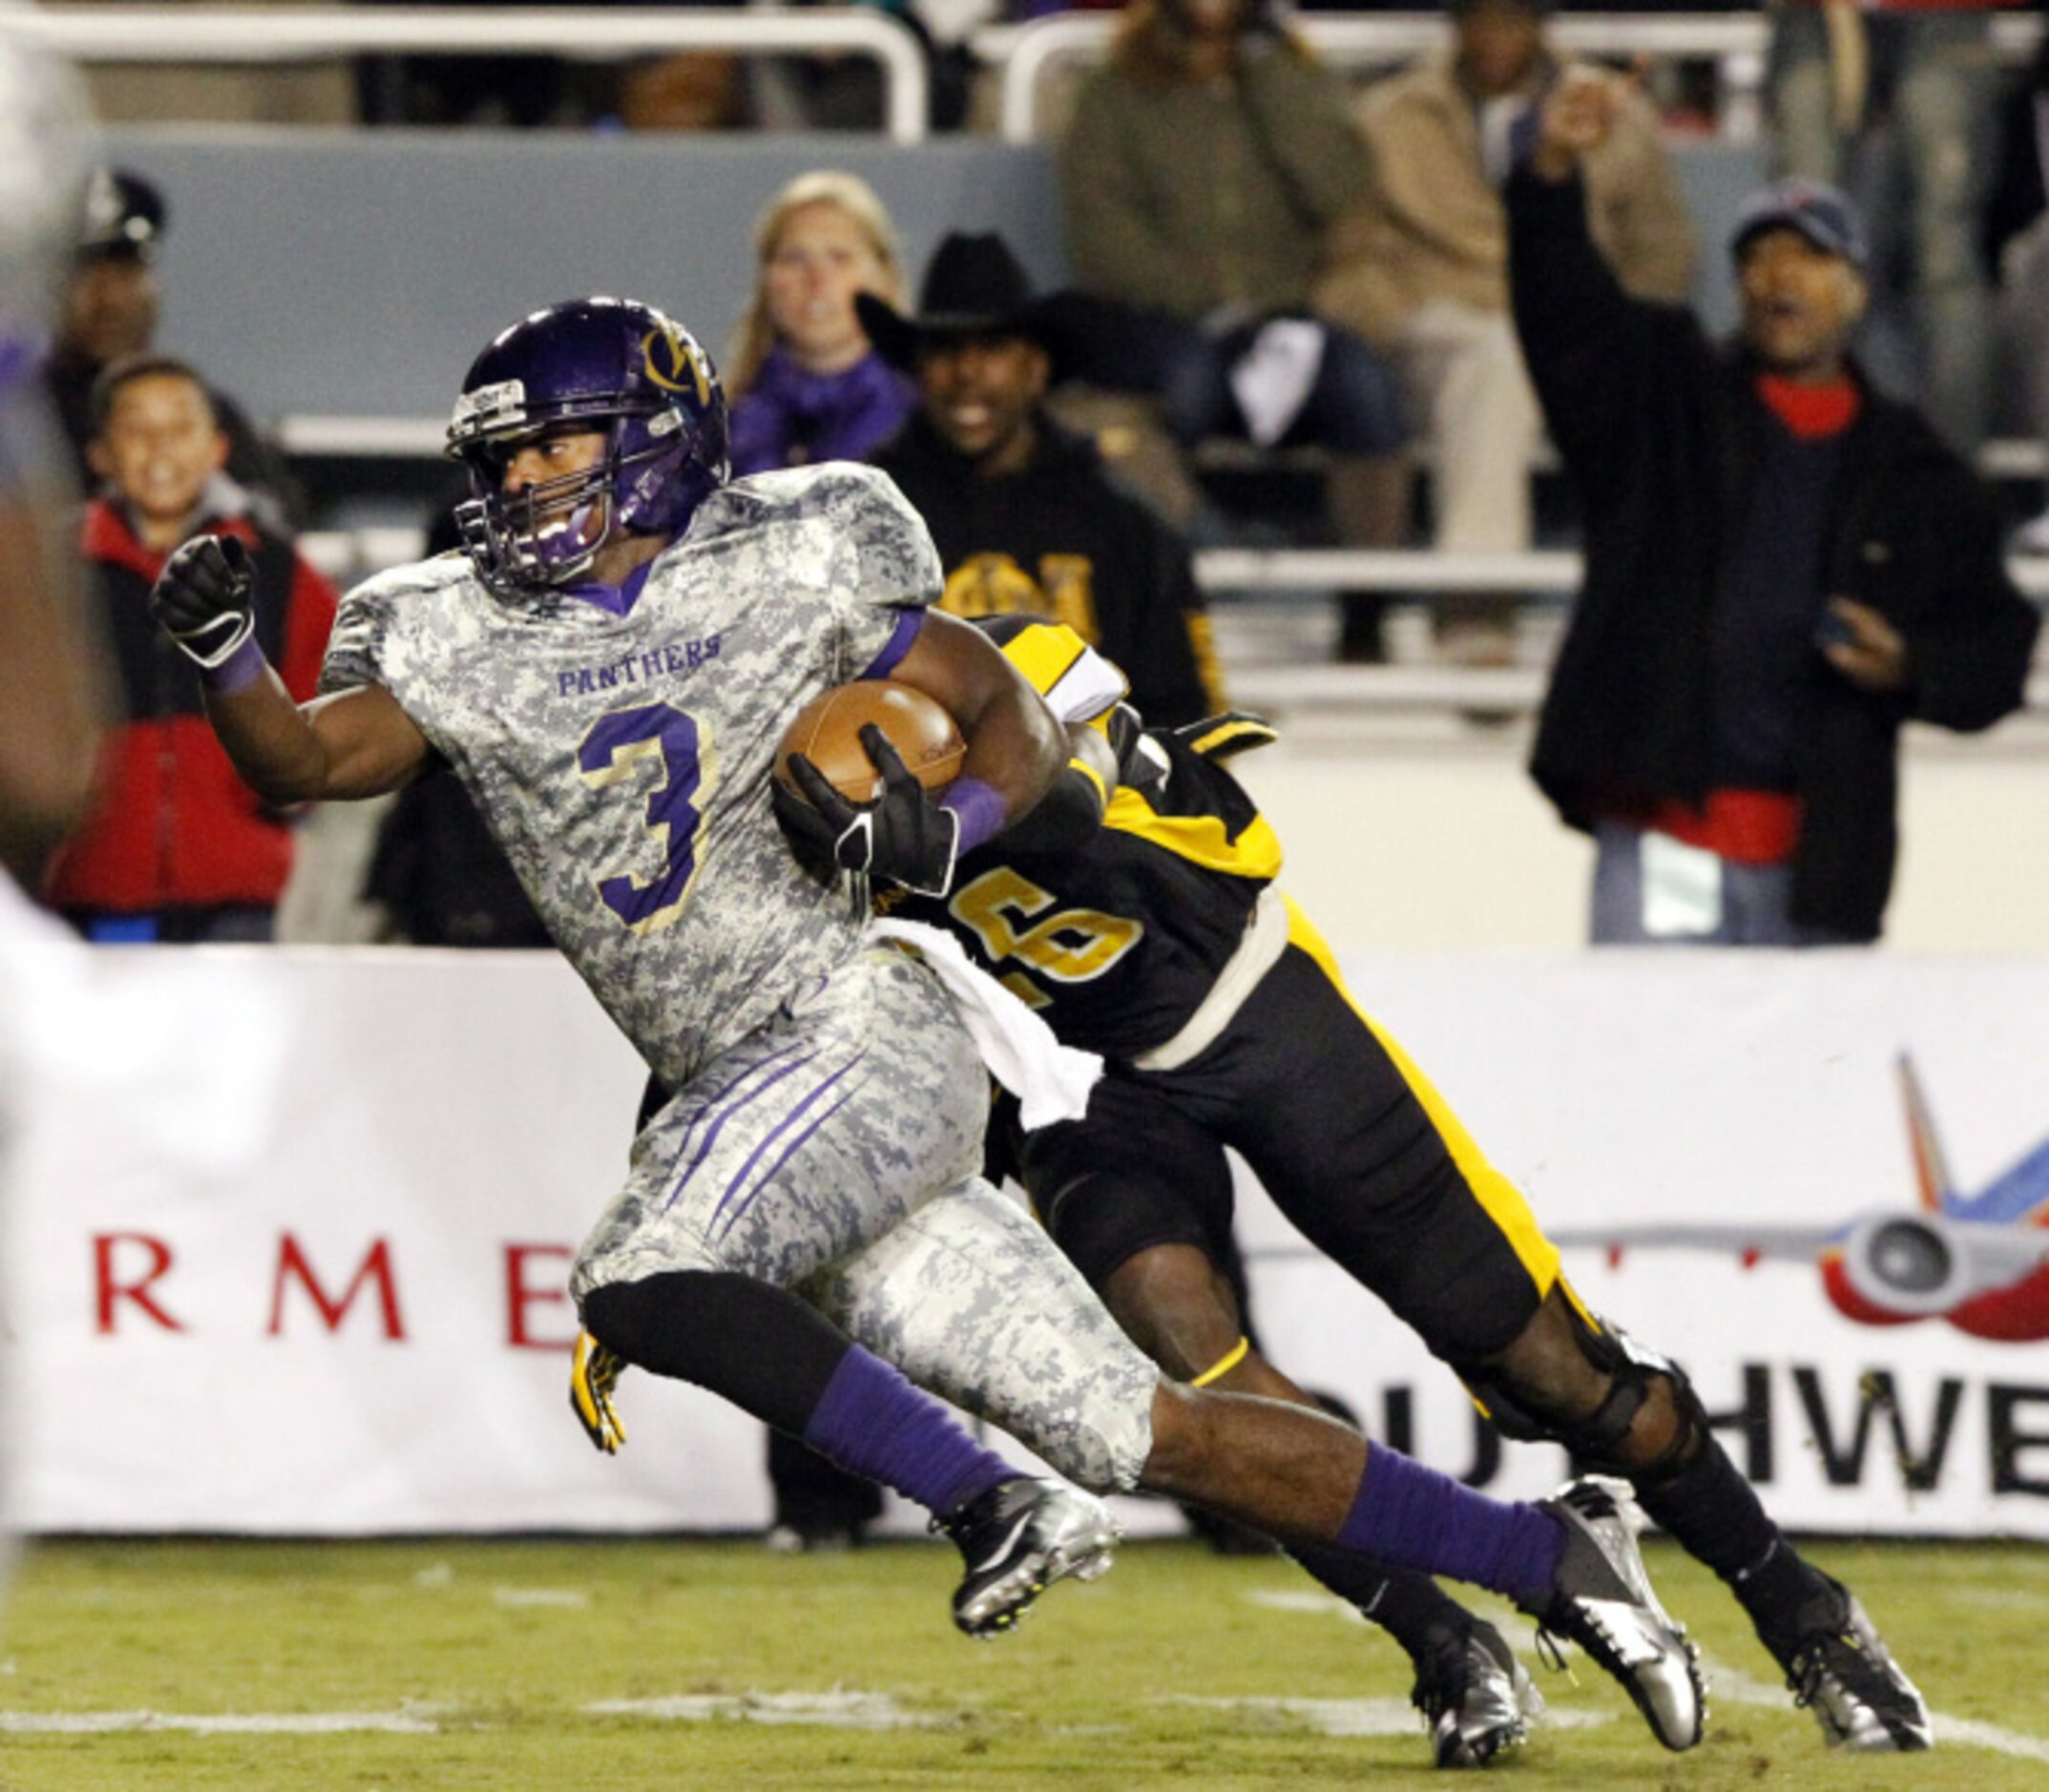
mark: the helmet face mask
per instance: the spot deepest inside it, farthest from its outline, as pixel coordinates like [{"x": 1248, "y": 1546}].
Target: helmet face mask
[
  {"x": 597, "y": 366},
  {"x": 540, "y": 534}
]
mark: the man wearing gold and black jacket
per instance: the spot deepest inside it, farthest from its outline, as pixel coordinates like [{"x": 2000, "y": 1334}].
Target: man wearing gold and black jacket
[{"x": 1024, "y": 518}]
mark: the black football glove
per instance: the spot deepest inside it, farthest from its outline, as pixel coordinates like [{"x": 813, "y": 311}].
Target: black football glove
[
  {"x": 903, "y": 837},
  {"x": 204, "y": 597}
]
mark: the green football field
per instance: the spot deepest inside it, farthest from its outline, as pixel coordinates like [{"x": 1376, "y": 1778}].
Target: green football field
[{"x": 601, "y": 1665}]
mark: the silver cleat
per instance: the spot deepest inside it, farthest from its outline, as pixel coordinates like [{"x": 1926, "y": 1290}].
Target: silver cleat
[
  {"x": 1602, "y": 1599},
  {"x": 1017, "y": 1540},
  {"x": 1475, "y": 1695},
  {"x": 1842, "y": 1672}
]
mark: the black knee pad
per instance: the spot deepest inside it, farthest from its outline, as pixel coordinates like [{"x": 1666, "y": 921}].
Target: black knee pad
[
  {"x": 1597, "y": 1439},
  {"x": 758, "y": 1345}
]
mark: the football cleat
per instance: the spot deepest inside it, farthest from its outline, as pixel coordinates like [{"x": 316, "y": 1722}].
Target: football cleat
[
  {"x": 1473, "y": 1694},
  {"x": 1839, "y": 1669},
  {"x": 1017, "y": 1540},
  {"x": 1602, "y": 1599}
]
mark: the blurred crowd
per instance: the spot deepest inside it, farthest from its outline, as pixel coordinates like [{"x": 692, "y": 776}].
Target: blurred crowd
[{"x": 1416, "y": 288}]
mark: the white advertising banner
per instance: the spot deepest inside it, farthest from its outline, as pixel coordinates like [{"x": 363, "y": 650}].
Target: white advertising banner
[{"x": 291, "y": 1229}]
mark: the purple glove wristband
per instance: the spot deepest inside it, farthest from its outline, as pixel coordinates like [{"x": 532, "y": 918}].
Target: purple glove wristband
[
  {"x": 237, "y": 673},
  {"x": 982, "y": 814}
]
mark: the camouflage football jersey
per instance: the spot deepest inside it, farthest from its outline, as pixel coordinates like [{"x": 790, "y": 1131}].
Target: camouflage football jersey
[{"x": 623, "y": 760}]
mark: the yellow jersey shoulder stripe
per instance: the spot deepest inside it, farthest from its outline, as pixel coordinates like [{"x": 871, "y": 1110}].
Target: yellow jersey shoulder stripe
[
  {"x": 1234, "y": 733},
  {"x": 1077, "y": 682},
  {"x": 1200, "y": 838}
]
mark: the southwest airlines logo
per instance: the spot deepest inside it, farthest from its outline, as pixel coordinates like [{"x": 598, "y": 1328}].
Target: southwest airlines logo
[{"x": 1980, "y": 1261}]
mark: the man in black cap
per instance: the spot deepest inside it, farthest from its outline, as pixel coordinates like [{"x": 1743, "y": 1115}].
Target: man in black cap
[
  {"x": 111, "y": 300},
  {"x": 1782, "y": 566},
  {"x": 108, "y": 312},
  {"x": 1024, "y": 518}
]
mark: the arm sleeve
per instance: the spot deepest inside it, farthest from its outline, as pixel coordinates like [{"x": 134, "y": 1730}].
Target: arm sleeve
[
  {"x": 1584, "y": 339},
  {"x": 1120, "y": 247},
  {"x": 356, "y": 644},
  {"x": 891, "y": 567},
  {"x": 1970, "y": 668}
]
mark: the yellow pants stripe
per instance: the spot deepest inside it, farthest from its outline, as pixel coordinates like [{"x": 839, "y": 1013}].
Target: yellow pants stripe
[
  {"x": 1223, "y": 1364},
  {"x": 1500, "y": 1198}
]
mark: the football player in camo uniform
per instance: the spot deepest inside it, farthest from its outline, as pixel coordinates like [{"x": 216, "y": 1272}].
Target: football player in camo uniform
[
  {"x": 610, "y": 669},
  {"x": 1164, "y": 943}
]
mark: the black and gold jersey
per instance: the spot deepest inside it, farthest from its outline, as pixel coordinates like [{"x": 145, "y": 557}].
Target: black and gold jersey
[{"x": 1117, "y": 943}]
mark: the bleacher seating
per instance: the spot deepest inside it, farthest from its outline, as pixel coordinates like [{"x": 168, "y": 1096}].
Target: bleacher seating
[{"x": 353, "y": 273}]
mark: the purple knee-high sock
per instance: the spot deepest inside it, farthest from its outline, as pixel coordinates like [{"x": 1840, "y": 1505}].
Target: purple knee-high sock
[
  {"x": 1414, "y": 1517},
  {"x": 871, "y": 1421}
]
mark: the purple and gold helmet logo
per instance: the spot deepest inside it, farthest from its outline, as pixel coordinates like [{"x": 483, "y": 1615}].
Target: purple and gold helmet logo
[{"x": 675, "y": 363}]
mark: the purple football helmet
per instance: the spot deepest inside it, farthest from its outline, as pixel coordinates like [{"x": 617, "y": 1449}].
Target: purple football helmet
[{"x": 607, "y": 364}]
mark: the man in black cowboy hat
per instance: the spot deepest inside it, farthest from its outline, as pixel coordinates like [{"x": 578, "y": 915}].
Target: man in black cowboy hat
[{"x": 1025, "y": 519}]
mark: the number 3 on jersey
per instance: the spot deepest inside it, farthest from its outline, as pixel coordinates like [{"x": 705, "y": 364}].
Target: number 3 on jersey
[
  {"x": 612, "y": 753},
  {"x": 1072, "y": 947}
]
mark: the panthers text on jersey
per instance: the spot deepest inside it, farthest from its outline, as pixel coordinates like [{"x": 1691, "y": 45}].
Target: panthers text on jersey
[
  {"x": 622, "y": 761},
  {"x": 1117, "y": 943}
]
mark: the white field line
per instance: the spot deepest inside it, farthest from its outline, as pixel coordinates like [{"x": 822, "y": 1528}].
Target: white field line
[
  {"x": 570, "y": 1598},
  {"x": 1303, "y": 1599},
  {"x": 1739, "y": 1688},
  {"x": 843, "y": 1710},
  {"x": 1994, "y": 1598},
  {"x": 277, "y": 1724},
  {"x": 1362, "y": 1716},
  {"x": 1728, "y": 1683}
]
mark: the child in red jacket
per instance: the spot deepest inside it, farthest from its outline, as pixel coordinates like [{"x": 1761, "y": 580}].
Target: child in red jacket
[{"x": 176, "y": 847}]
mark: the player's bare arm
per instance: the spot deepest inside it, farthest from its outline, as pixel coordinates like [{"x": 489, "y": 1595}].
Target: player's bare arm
[
  {"x": 1015, "y": 747},
  {"x": 1016, "y": 752},
  {"x": 358, "y": 743}
]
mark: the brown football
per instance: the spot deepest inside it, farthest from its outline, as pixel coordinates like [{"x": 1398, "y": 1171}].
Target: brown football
[{"x": 828, "y": 732}]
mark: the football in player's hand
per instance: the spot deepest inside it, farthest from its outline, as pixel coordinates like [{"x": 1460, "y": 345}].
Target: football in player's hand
[{"x": 828, "y": 732}]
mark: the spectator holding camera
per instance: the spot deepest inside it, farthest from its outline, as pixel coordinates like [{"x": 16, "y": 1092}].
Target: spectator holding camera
[
  {"x": 1207, "y": 162},
  {"x": 1783, "y": 565},
  {"x": 805, "y": 383},
  {"x": 176, "y": 847}
]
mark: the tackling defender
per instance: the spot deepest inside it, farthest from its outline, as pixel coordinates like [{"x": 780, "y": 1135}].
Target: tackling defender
[
  {"x": 1163, "y": 943},
  {"x": 609, "y": 671}
]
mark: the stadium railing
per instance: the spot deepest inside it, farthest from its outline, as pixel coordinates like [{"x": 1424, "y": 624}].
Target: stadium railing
[
  {"x": 246, "y": 34},
  {"x": 345, "y": 555},
  {"x": 1735, "y": 43}
]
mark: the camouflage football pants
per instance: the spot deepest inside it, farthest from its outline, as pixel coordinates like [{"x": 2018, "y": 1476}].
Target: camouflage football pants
[{"x": 836, "y": 1153}]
